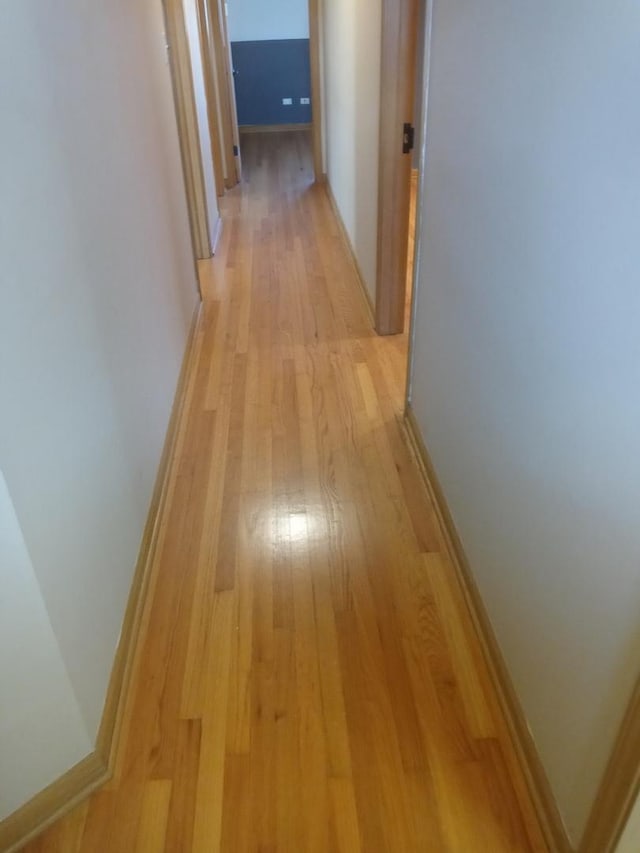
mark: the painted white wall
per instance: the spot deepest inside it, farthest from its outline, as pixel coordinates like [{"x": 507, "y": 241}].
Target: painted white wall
[
  {"x": 97, "y": 294},
  {"x": 351, "y": 40},
  {"x": 526, "y": 365},
  {"x": 630, "y": 841},
  {"x": 42, "y": 733},
  {"x": 255, "y": 20},
  {"x": 197, "y": 68}
]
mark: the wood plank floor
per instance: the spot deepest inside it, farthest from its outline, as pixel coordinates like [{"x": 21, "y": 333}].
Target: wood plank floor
[{"x": 308, "y": 678}]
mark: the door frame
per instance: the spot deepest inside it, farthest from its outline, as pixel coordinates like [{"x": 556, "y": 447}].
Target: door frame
[
  {"x": 420, "y": 195},
  {"x": 221, "y": 50},
  {"x": 315, "y": 36},
  {"x": 231, "y": 86},
  {"x": 187, "y": 120},
  {"x": 397, "y": 87},
  {"x": 211, "y": 93}
]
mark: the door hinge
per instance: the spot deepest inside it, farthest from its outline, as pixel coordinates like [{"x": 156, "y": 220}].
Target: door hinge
[
  {"x": 235, "y": 151},
  {"x": 408, "y": 137}
]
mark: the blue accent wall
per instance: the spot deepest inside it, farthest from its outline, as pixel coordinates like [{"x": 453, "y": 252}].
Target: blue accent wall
[{"x": 265, "y": 73}]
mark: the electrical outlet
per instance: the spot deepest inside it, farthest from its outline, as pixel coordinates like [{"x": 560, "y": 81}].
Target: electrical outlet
[
  {"x": 305, "y": 100},
  {"x": 287, "y": 102}
]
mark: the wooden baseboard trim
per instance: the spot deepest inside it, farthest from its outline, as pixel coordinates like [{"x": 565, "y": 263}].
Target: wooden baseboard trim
[
  {"x": 53, "y": 802},
  {"x": 620, "y": 786},
  {"x": 540, "y": 791},
  {"x": 108, "y": 734},
  {"x": 348, "y": 245},
  {"x": 92, "y": 772},
  {"x": 273, "y": 128}
]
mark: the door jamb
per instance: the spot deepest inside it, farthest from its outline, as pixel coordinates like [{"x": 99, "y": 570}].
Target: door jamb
[
  {"x": 398, "y": 53},
  {"x": 226, "y": 92},
  {"x": 315, "y": 23},
  {"x": 211, "y": 93},
  {"x": 420, "y": 194},
  {"x": 186, "y": 116},
  {"x": 231, "y": 87}
]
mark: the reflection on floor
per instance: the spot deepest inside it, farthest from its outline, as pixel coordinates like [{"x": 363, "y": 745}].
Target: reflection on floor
[{"x": 308, "y": 677}]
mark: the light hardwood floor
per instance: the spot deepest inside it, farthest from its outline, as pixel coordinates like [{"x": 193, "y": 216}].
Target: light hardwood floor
[{"x": 308, "y": 678}]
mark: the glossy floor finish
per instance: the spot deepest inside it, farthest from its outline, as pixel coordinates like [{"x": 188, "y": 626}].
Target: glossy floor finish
[{"x": 308, "y": 678}]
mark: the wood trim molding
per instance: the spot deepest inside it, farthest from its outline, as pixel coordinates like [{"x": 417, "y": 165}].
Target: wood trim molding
[
  {"x": 619, "y": 788},
  {"x": 226, "y": 92},
  {"x": 219, "y": 127},
  {"x": 232, "y": 89},
  {"x": 65, "y": 793},
  {"x": 543, "y": 800},
  {"x": 273, "y": 128},
  {"x": 187, "y": 119},
  {"x": 347, "y": 242},
  {"x": 56, "y": 800},
  {"x": 211, "y": 94},
  {"x": 397, "y": 84},
  {"x": 316, "y": 86},
  {"x": 109, "y": 731}
]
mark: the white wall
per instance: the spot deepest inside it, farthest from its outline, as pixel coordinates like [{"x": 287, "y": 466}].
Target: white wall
[
  {"x": 630, "y": 841},
  {"x": 352, "y": 37},
  {"x": 527, "y": 360},
  {"x": 97, "y": 293},
  {"x": 255, "y": 20},
  {"x": 42, "y": 732},
  {"x": 197, "y": 67}
]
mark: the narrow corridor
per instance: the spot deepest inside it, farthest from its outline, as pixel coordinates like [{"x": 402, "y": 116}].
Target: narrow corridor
[{"x": 308, "y": 678}]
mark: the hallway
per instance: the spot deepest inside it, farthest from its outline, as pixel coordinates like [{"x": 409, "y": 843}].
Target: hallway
[{"x": 308, "y": 678}]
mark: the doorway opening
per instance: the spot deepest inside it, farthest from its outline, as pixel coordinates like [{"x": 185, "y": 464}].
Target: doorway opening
[
  {"x": 216, "y": 49},
  {"x": 276, "y": 70},
  {"x": 405, "y": 46}
]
